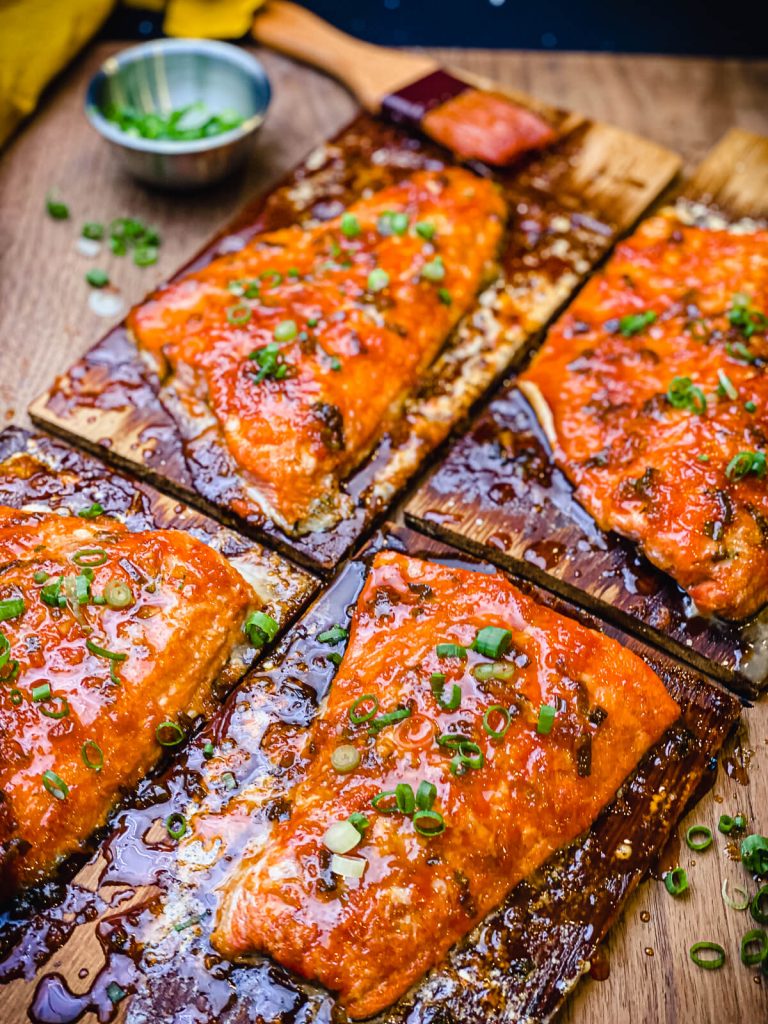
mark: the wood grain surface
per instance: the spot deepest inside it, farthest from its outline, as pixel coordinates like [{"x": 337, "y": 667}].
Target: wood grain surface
[{"x": 45, "y": 323}]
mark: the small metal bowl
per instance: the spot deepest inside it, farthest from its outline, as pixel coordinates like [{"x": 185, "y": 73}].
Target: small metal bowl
[{"x": 164, "y": 75}]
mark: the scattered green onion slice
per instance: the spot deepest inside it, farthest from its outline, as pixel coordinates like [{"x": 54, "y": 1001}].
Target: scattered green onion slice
[
  {"x": 447, "y": 650},
  {"x": 41, "y": 692},
  {"x": 5, "y": 650},
  {"x": 743, "y": 898},
  {"x": 97, "y": 278},
  {"x": 744, "y": 463},
  {"x": 378, "y": 279},
  {"x": 348, "y": 867},
  {"x": 708, "y": 963},
  {"x": 96, "y": 762},
  {"x": 428, "y": 823},
  {"x": 239, "y": 313},
  {"x": 754, "y": 854},
  {"x": 546, "y": 719},
  {"x": 334, "y": 635},
  {"x": 682, "y": 393},
  {"x": 229, "y": 780},
  {"x": 16, "y": 697},
  {"x": 360, "y": 821},
  {"x": 502, "y": 670},
  {"x": 739, "y": 822},
  {"x": 56, "y": 208},
  {"x": 208, "y": 750},
  {"x": 445, "y": 296},
  {"x": 727, "y": 824},
  {"x": 492, "y": 641},
  {"x": 176, "y": 825},
  {"x": 91, "y": 558},
  {"x": 425, "y": 796},
  {"x": 62, "y": 711},
  {"x": 115, "y": 993},
  {"x": 469, "y": 757},
  {"x": 452, "y": 740},
  {"x": 55, "y": 785},
  {"x": 424, "y": 229},
  {"x": 676, "y": 881},
  {"x": 753, "y": 957},
  {"x": 188, "y": 922},
  {"x": 9, "y": 671},
  {"x": 40, "y": 576},
  {"x": 698, "y": 837},
  {"x": 93, "y": 230},
  {"x": 453, "y": 700},
  {"x": 758, "y": 908},
  {"x": 12, "y": 608},
  {"x": 750, "y": 406},
  {"x": 286, "y": 330},
  {"x": 118, "y": 594},
  {"x": 506, "y": 719},
  {"x": 350, "y": 225},
  {"x": 434, "y": 270},
  {"x": 390, "y": 718},
  {"x": 357, "y": 717},
  {"x": 634, "y": 323},
  {"x": 726, "y": 387},
  {"x": 345, "y": 758},
  {"x": 104, "y": 652},
  {"x": 145, "y": 255},
  {"x": 406, "y": 801},
  {"x": 260, "y": 628},
  {"x": 341, "y": 837},
  {"x": 386, "y": 802},
  {"x": 169, "y": 734},
  {"x": 51, "y": 591}
]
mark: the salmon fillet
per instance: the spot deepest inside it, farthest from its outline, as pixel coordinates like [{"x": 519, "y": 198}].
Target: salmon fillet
[
  {"x": 652, "y": 389},
  {"x": 296, "y": 353},
  {"x": 507, "y": 799},
  {"x": 105, "y": 635}
]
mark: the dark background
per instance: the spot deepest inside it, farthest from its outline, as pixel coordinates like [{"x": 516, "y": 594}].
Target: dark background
[{"x": 732, "y": 27}]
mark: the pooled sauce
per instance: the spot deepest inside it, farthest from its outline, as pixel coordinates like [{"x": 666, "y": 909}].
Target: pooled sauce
[{"x": 167, "y": 973}]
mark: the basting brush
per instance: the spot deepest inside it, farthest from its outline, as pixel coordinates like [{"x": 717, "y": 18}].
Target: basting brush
[{"x": 410, "y": 89}]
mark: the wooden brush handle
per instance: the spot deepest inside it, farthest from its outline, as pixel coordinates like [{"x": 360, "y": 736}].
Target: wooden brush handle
[{"x": 369, "y": 72}]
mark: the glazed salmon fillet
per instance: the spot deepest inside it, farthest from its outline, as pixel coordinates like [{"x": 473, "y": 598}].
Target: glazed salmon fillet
[
  {"x": 653, "y": 393},
  {"x": 105, "y": 636},
  {"x": 468, "y": 770},
  {"x": 295, "y": 354}
]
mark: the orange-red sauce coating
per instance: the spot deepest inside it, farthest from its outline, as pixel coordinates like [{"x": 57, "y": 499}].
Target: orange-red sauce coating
[
  {"x": 487, "y": 126},
  {"x": 359, "y": 344},
  {"x": 186, "y": 612},
  {"x": 642, "y": 467},
  {"x": 369, "y": 939}
]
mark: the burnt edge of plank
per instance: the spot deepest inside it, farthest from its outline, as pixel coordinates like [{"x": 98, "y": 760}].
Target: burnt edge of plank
[
  {"x": 499, "y": 495},
  {"x": 526, "y": 956},
  {"x": 149, "y": 441}
]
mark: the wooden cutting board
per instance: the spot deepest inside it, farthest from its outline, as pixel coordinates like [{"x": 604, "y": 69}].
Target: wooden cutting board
[{"x": 683, "y": 103}]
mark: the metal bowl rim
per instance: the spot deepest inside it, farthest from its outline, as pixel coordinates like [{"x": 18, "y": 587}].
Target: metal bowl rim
[{"x": 167, "y": 147}]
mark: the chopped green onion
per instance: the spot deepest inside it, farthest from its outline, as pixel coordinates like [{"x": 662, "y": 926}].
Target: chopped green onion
[
  {"x": 392, "y": 223},
  {"x": 41, "y": 692},
  {"x": 91, "y": 558},
  {"x": 93, "y": 230},
  {"x": 739, "y": 822},
  {"x": 708, "y": 963},
  {"x": 433, "y": 271},
  {"x": 635, "y": 323},
  {"x": 682, "y": 393},
  {"x": 286, "y": 330},
  {"x": 546, "y": 719},
  {"x": 752, "y": 957},
  {"x": 676, "y": 881},
  {"x": 56, "y": 208},
  {"x": 103, "y": 652},
  {"x": 450, "y": 651},
  {"x": 358, "y": 718},
  {"x": 9, "y": 670},
  {"x": 145, "y": 255},
  {"x": 313, "y": 321},
  {"x": 40, "y": 576},
  {"x": 754, "y": 854},
  {"x": 506, "y": 719},
  {"x": 16, "y": 697},
  {"x": 118, "y": 594},
  {"x": 341, "y": 837},
  {"x": 425, "y": 795},
  {"x": 378, "y": 279},
  {"x": 334, "y": 635},
  {"x": 82, "y": 588},
  {"x": 502, "y": 670},
  {"x": 5, "y": 650},
  {"x": 750, "y": 406},
  {"x": 385, "y": 802},
  {"x": 192, "y": 121},
  {"x": 95, "y": 763},
  {"x": 208, "y": 750},
  {"x": 445, "y": 296},
  {"x": 92, "y": 511},
  {"x": 425, "y": 230},
  {"x": 334, "y": 658},
  {"x": 115, "y": 994},
  {"x": 428, "y": 823},
  {"x": 12, "y": 608},
  {"x": 62, "y": 712},
  {"x": 406, "y": 801},
  {"x": 450, "y": 703},
  {"x": 388, "y": 719},
  {"x": 188, "y": 922},
  {"x": 743, "y": 898},
  {"x": 758, "y": 908},
  {"x": 437, "y": 679},
  {"x": 350, "y": 225},
  {"x": 727, "y": 824},
  {"x": 260, "y": 628},
  {"x": 176, "y": 825},
  {"x": 492, "y": 641},
  {"x": 360, "y": 821},
  {"x": 51, "y": 592},
  {"x": 469, "y": 757},
  {"x": 743, "y": 315},
  {"x": 239, "y": 313},
  {"x": 740, "y": 351},
  {"x": 725, "y": 388},
  {"x": 97, "y": 278},
  {"x": 698, "y": 837},
  {"x": 744, "y": 463},
  {"x": 345, "y": 758},
  {"x": 169, "y": 734},
  {"x": 229, "y": 780},
  {"x": 270, "y": 363},
  {"x": 55, "y": 785},
  {"x": 452, "y": 740},
  {"x": 348, "y": 867}
]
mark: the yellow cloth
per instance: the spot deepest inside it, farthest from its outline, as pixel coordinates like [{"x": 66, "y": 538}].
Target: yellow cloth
[{"x": 38, "y": 38}]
